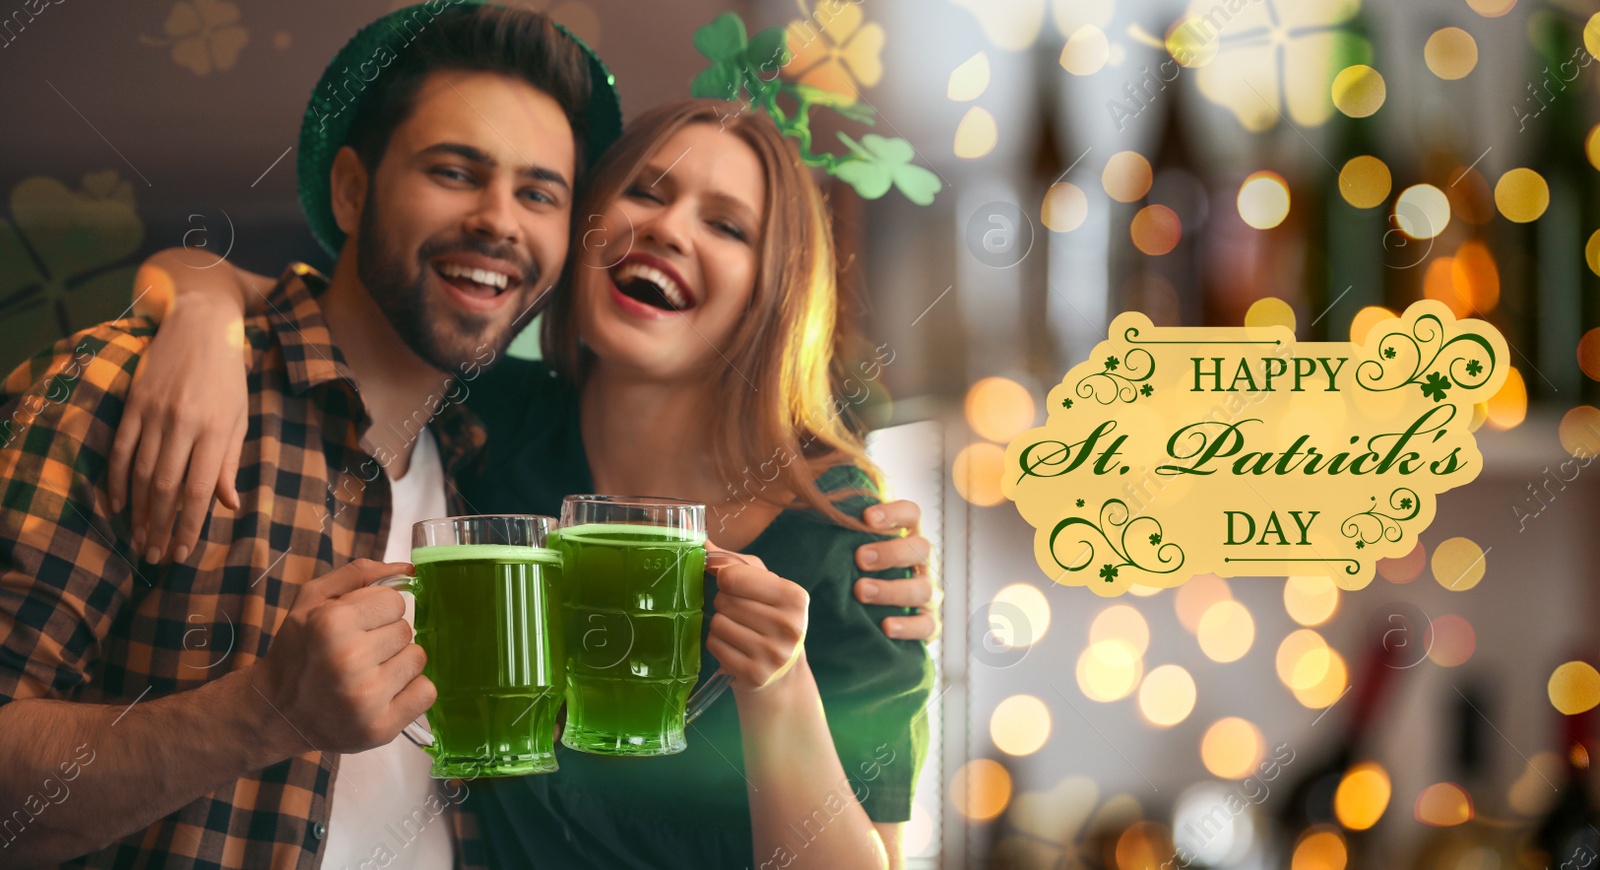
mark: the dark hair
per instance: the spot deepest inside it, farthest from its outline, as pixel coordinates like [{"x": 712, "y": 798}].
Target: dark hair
[{"x": 475, "y": 38}]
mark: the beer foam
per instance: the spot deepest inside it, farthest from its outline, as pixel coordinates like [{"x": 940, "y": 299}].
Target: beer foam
[
  {"x": 607, "y": 533},
  {"x": 483, "y": 553}
]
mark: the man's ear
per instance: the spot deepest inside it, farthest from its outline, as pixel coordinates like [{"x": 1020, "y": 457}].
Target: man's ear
[{"x": 348, "y": 181}]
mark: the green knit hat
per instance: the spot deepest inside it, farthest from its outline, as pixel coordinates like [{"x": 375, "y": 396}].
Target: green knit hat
[{"x": 334, "y": 104}]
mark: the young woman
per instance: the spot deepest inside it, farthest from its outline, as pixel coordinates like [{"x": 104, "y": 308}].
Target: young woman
[{"x": 688, "y": 353}]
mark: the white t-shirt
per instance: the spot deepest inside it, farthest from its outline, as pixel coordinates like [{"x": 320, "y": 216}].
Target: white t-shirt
[{"x": 387, "y": 812}]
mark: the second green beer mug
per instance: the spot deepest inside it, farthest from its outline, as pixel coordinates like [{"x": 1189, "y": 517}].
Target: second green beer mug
[
  {"x": 488, "y": 615},
  {"x": 633, "y": 589}
]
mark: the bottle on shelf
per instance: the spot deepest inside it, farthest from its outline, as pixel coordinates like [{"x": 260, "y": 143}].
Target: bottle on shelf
[{"x": 1464, "y": 836}]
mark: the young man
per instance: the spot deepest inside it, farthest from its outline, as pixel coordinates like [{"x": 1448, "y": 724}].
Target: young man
[{"x": 203, "y": 710}]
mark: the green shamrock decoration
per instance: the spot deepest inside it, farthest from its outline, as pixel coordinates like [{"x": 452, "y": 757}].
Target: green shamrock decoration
[
  {"x": 737, "y": 63},
  {"x": 1473, "y": 367},
  {"x": 1435, "y": 387},
  {"x": 1112, "y": 363},
  {"x": 746, "y": 68},
  {"x": 1146, "y": 390},
  {"x": 883, "y": 162},
  {"x": 1108, "y": 571},
  {"x": 64, "y": 259}
]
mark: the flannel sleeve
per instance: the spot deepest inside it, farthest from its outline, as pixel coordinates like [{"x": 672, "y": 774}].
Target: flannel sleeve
[{"x": 65, "y": 571}]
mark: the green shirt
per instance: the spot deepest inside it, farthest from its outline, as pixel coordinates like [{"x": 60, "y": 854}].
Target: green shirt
[{"x": 691, "y": 810}]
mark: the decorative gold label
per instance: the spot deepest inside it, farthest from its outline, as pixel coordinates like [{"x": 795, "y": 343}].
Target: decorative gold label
[{"x": 1173, "y": 452}]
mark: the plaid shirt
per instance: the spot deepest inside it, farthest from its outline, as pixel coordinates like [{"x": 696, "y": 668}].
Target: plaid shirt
[{"x": 84, "y": 618}]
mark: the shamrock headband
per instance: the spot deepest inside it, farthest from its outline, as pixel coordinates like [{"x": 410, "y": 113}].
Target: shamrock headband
[
  {"x": 741, "y": 66},
  {"x": 343, "y": 89}
]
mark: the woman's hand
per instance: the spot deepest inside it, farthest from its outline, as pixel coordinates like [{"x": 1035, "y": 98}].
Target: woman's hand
[
  {"x": 183, "y": 428},
  {"x": 759, "y": 629}
]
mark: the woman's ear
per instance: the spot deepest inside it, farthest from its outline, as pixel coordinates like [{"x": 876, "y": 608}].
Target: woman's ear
[{"x": 347, "y": 182}]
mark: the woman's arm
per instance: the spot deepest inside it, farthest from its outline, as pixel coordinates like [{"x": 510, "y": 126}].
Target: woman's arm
[
  {"x": 185, "y": 420},
  {"x": 803, "y": 809},
  {"x": 187, "y": 278},
  {"x": 801, "y": 802}
]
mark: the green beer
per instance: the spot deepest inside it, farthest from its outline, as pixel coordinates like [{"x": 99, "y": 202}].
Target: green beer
[
  {"x": 488, "y": 617},
  {"x": 632, "y": 609}
]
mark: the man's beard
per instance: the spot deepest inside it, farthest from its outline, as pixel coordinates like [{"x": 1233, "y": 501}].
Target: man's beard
[{"x": 452, "y": 340}]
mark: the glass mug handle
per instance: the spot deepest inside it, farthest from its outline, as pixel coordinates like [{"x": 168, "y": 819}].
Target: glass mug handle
[
  {"x": 719, "y": 682},
  {"x": 414, "y": 731}
]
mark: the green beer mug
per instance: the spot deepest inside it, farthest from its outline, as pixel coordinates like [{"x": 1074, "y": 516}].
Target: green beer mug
[
  {"x": 632, "y": 598},
  {"x": 487, "y": 594}
]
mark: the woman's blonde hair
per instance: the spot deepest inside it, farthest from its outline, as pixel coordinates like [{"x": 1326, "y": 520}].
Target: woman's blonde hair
[{"x": 785, "y": 342}]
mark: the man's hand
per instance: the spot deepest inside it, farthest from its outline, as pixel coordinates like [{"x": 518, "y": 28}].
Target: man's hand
[
  {"x": 912, "y": 551},
  {"x": 343, "y": 669}
]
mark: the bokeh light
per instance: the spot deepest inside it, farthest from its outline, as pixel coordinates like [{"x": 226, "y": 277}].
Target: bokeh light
[
  {"x": 1362, "y": 796},
  {"x": 1480, "y": 413},
  {"x": 999, "y": 409},
  {"x": 1453, "y": 642},
  {"x": 919, "y": 831},
  {"x": 1365, "y": 320},
  {"x": 1086, "y": 51},
  {"x": 1458, "y": 564},
  {"x": 1156, "y": 230},
  {"x": 1591, "y": 146},
  {"x": 1522, "y": 195},
  {"x": 969, "y": 80},
  {"x": 1303, "y": 659},
  {"x": 1144, "y": 844},
  {"x": 1438, "y": 284},
  {"x": 1310, "y": 600},
  {"x": 977, "y": 471},
  {"x": 1167, "y": 696},
  {"x": 1065, "y": 207},
  {"x": 1192, "y": 42},
  {"x": 1365, "y": 182},
  {"x": 977, "y": 134},
  {"x": 1533, "y": 792},
  {"x": 1020, "y": 725},
  {"x": 1574, "y": 688},
  {"x": 1109, "y": 671},
  {"x": 1034, "y": 609},
  {"x": 1127, "y": 176},
  {"x": 1591, "y": 252},
  {"x": 1589, "y": 354},
  {"x": 1475, "y": 276},
  {"x": 1270, "y": 311},
  {"x": 1264, "y": 200},
  {"x": 1580, "y": 431},
  {"x": 1451, "y": 53},
  {"x": 1332, "y": 682},
  {"x": 1443, "y": 805},
  {"x": 1422, "y": 211},
  {"x": 1226, "y": 631},
  {"x": 1491, "y": 8},
  {"x": 1321, "y": 848},
  {"x": 1359, "y": 91},
  {"x": 980, "y": 789},
  {"x": 1508, "y": 407},
  {"x": 1196, "y": 597},
  {"x": 1231, "y": 748},
  {"x": 1407, "y": 568},
  {"x": 1121, "y": 622}
]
